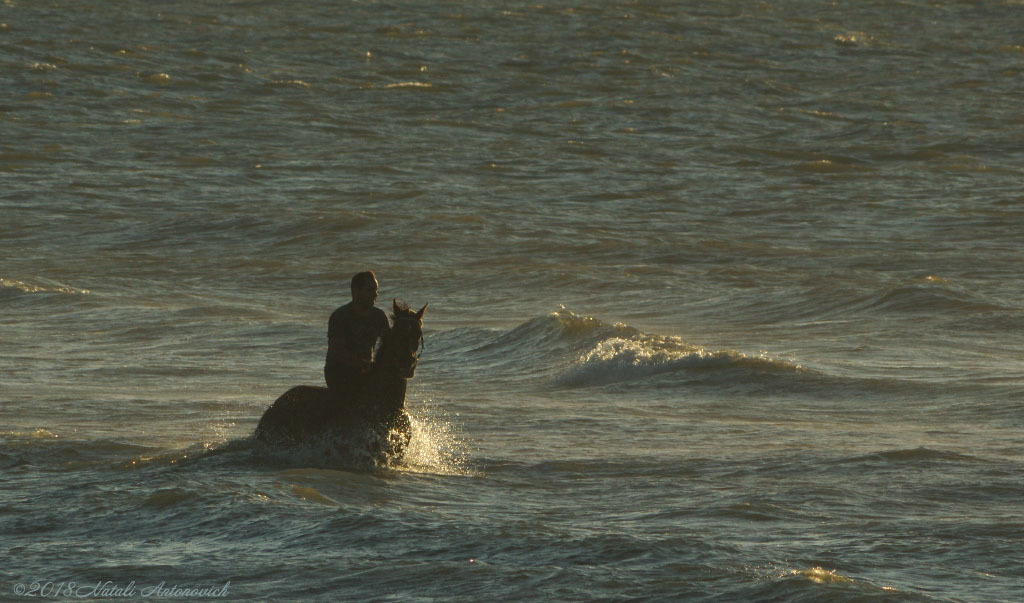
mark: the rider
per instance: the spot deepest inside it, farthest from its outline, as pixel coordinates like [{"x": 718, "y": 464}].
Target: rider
[{"x": 352, "y": 333}]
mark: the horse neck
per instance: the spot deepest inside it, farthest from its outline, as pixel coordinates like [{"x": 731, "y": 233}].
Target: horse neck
[{"x": 384, "y": 386}]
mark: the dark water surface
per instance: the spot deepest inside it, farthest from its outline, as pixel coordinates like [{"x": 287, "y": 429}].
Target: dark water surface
[{"x": 725, "y": 298}]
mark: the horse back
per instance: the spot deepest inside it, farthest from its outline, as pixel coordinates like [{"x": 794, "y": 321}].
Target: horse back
[{"x": 300, "y": 411}]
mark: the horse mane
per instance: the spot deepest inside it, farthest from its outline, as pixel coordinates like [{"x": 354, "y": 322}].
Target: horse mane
[{"x": 402, "y": 310}]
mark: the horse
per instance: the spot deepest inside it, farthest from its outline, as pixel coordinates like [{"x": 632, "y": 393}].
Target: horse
[{"x": 376, "y": 410}]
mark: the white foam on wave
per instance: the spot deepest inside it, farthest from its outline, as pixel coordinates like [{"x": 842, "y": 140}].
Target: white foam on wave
[
  {"x": 577, "y": 350},
  {"x": 41, "y": 286},
  {"x": 619, "y": 359}
]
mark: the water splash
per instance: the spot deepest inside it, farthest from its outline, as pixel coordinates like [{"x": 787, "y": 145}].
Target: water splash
[{"x": 437, "y": 444}]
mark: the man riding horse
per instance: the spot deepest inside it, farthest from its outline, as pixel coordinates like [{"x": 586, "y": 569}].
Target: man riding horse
[{"x": 365, "y": 393}]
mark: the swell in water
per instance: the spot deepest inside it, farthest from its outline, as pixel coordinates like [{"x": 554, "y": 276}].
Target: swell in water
[{"x": 572, "y": 350}]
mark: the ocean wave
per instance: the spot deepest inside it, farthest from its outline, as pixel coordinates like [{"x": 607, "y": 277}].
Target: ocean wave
[
  {"x": 818, "y": 583},
  {"x": 617, "y": 359},
  {"x": 910, "y": 456},
  {"x": 45, "y": 448},
  {"x": 559, "y": 331},
  {"x": 536, "y": 348},
  {"x": 612, "y": 353},
  {"x": 169, "y": 497},
  {"x": 930, "y": 295},
  {"x": 575, "y": 350},
  {"x": 14, "y": 287}
]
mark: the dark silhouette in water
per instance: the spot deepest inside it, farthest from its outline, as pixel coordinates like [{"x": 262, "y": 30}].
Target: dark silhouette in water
[{"x": 377, "y": 409}]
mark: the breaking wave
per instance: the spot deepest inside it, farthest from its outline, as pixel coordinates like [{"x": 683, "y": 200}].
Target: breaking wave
[
  {"x": 624, "y": 359},
  {"x": 11, "y": 287},
  {"x": 574, "y": 350}
]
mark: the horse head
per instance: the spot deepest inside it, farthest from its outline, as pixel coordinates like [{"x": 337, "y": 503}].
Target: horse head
[{"x": 405, "y": 341}]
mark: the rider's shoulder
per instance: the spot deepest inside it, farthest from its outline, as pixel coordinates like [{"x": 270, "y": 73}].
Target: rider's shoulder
[{"x": 342, "y": 310}]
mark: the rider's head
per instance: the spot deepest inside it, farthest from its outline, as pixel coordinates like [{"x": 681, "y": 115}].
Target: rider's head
[{"x": 364, "y": 289}]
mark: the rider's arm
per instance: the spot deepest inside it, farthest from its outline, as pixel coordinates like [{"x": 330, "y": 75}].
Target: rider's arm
[{"x": 344, "y": 356}]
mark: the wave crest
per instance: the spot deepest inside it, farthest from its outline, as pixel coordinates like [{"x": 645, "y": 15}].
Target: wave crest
[
  {"x": 40, "y": 285},
  {"x": 574, "y": 350},
  {"x": 617, "y": 359}
]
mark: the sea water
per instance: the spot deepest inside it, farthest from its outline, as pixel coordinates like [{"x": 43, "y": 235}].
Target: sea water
[{"x": 725, "y": 297}]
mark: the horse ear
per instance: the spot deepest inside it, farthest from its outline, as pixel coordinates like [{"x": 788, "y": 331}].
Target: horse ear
[
  {"x": 394, "y": 305},
  {"x": 419, "y": 315}
]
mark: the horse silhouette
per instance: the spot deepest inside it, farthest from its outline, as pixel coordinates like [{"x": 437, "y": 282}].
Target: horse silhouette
[{"x": 376, "y": 411}]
